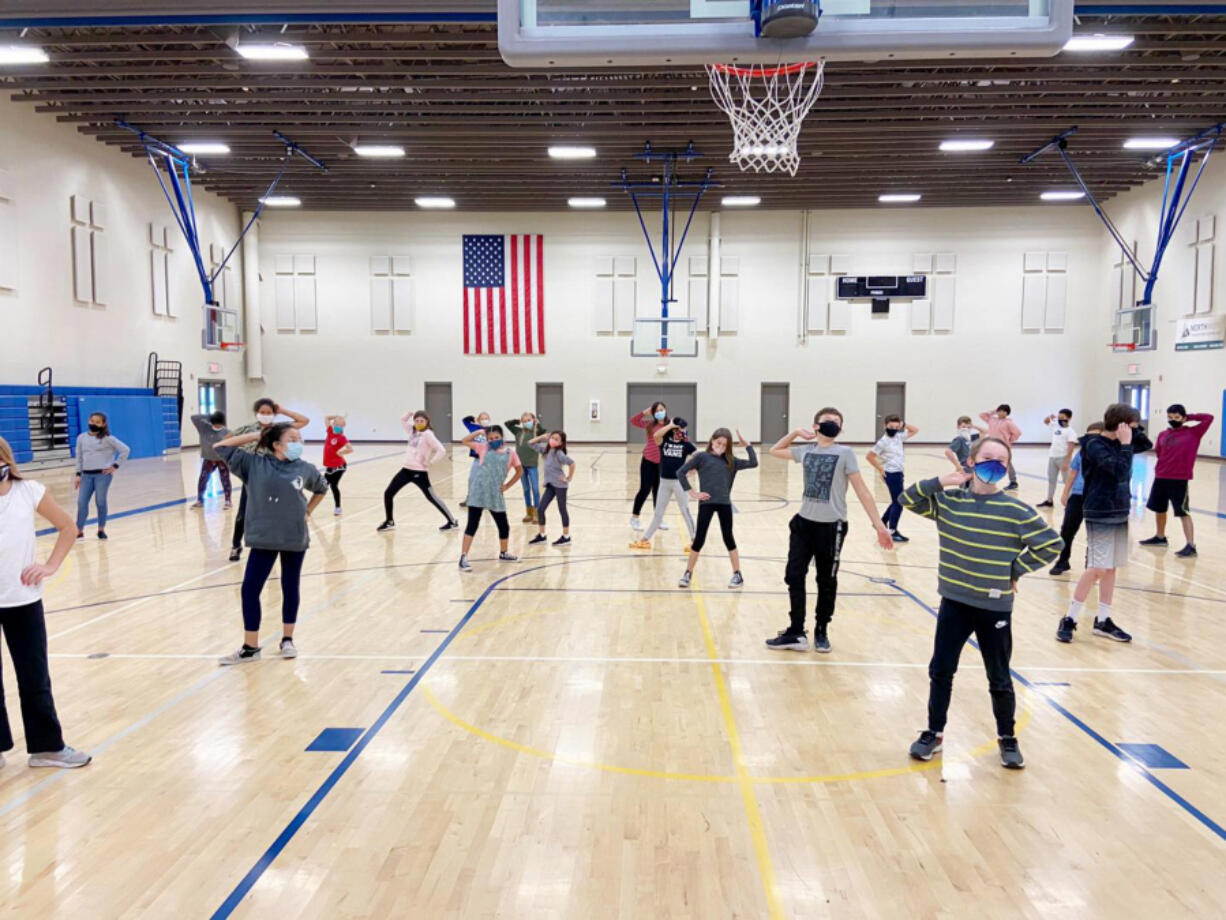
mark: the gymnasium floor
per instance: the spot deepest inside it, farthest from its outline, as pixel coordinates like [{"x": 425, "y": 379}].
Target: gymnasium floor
[{"x": 574, "y": 737}]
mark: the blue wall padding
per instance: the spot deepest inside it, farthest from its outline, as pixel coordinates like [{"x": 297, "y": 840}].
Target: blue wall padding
[{"x": 138, "y": 421}]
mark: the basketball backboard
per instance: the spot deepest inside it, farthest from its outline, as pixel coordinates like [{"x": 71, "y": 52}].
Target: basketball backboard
[
  {"x": 674, "y": 335},
  {"x": 618, "y": 33}
]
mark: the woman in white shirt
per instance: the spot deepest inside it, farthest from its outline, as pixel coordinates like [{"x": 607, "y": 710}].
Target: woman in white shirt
[{"x": 21, "y": 612}]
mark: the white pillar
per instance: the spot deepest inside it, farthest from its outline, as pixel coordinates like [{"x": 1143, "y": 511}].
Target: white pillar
[
  {"x": 251, "y": 300},
  {"x": 713, "y": 278}
]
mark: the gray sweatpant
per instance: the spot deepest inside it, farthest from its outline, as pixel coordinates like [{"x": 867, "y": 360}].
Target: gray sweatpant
[
  {"x": 1054, "y": 466},
  {"x": 671, "y": 488}
]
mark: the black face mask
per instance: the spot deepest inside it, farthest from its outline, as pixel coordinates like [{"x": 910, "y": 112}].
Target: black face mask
[
  {"x": 829, "y": 429},
  {"x": 1063, "y": 422},
  {"x": 890, "y": 432},
  {"x": 94, "y": 429},
  {"x": 1175, "y": 423}
]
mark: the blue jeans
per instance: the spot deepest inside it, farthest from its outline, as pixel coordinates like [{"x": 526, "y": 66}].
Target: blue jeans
[
  {"x": 531, "y": 483},
  {"x": 893, "y": 482},
  {"x": 93, "y": 485}
]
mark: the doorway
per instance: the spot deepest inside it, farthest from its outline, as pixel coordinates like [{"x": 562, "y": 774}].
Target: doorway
[
  {"x": 681, "y": 399},
  {"x": 891, "y": 400},
  {"x": 775, "y": 412},
  {"x": 211, "y": 396},
  {"x": 438, "y": 407},
  {"x": 1135, "y": 393},
  {"x": 549, "y": 406}
]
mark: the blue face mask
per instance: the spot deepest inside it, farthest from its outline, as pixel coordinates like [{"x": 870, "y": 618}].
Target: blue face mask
[
  {"x": 495, "y": 444},
  {"x": 661, "y": 415},
  {"x": 990, "y": 471},
  {"x": 293, "y": 450},
  {"x": 337, "y": 429}
]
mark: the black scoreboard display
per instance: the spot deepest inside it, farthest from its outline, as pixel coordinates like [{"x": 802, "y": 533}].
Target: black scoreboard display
[{"x": 864, "y": 287}]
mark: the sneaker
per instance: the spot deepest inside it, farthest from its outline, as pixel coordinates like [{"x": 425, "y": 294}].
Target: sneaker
[
  {"x": 386, "y": 525},
  {"x": 507, "y": 557},
  {"x": 684, "y": 581},
  {"x": 336, "y": 510},
  {"x": 450, "y": 525},
  {"x": 1187, "y": 552},
  {"x": 464, "y": 566},
  {"x": 789, "y": 642},
  {"x": 736, "y": 581},
  {"x": 196, "y": 504},
  {"x": 1046, "y": 503},
  {"x": 686, "y": 548},
  {"x": 636, "y": 524},
  {"x": 927, "y": 744},
  {"x": 1010, "y": 753},
  {"x": 464, "y": 504},
  {"x": 1058, "y": 569},
  {"x": 288, "y": 649},
  {"x": 236, "y": 553},
  {"x": 1011, "y": 487},
  {"x": 102, "y": 535},
  {"x": 80, "y": 536},
  {"x": 1064, "y": 632},
  {"x": 662, "y": 526},
  {"x": 821, "y": 642},
  {"x": 1108, "y": 630},
  {"x": 227, "y": 506},
  {"x": 67, "y": 758},
  {"x": 539, "y": 538},
  {"x": 1154, "y": 541},
  {"x": 899, "y": 538},
  {"x": 640, "y": 544},
  {"x": 243, "y": 656},
  {"x": 563, "y": 540}
]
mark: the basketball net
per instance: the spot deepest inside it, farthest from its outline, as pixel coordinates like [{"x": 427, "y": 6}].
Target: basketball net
[{"x": 767, "y": 106}]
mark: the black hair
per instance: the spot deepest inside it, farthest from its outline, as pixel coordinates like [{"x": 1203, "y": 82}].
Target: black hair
[
  {"x": 1005, "y": 408},
  {"x": 561, "y": 434},
  {"x": 490, "y": 429},
  {"x": 106, "y": 427},
  {"x": 217, "y": 418},
  {"x": 1119, "y": 414},
  {"x": 271, "y": 435},
  {"x": 1176, "y": 409},
  {"x": 263, "y": 402},
  {"x": 1068, "y": 412}
]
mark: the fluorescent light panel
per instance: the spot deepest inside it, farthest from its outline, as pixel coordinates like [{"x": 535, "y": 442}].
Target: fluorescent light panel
[
  {"x": 281, "y": 201},
  {"x": 384, "y": 151},
  {"x": 568, "y": 152},
  {"x": 957, "y": 145},
  {"x": 740, "y": 201},
  {"x": 205, "y": 147},
  {"x": 1069, "y": 195},
  {"x": 272, "y": 51},
  {"x": 586, "y": 202},
  {"x": 434, "y": 202},
  {"x": 899, "y": 198},
  {"x": 22, "y": 54},
  {"x": 1150, "y": 143},
  {"x": 1098, "y": 42}
]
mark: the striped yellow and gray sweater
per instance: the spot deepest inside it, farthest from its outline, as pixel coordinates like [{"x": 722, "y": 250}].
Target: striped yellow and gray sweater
[{"x": 987, "y": 542}]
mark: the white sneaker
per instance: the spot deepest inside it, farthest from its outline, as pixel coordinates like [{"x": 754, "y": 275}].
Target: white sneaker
[
  {"x": 336, "y": 511},
  {"x": 736, "y": 580},
  {"x": 464, "y": 564},
  {"x": 636, "y": 524},
  {"x": 67, "y": 759},
  {"x": 685, "y": 580},
  {"x": 288, "y": 649},
  {"x": 239, "y": 657},
  {"x": 663, "y": 526}
]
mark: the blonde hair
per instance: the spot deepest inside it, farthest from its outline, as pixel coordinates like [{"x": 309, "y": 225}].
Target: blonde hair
[{"x": 6, "y": 456}]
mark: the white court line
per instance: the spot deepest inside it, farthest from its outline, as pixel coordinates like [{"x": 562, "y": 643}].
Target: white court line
[{"x": 1132, "y": 560}]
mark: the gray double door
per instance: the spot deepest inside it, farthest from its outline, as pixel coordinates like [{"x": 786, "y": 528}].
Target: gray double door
[{"x": 680, "y": 398}]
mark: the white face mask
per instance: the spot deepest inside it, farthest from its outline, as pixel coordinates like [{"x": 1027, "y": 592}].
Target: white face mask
[
  {"x": 966, "y": 433},
  {"x": 265, "y": 418}
]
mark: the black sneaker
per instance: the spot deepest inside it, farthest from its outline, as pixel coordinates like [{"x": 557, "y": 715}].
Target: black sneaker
[
  {"x": 899, "y": 538},
  {"x": 821, "y": 642},
  {"x": 1011, "y": 487},
  {"x": 562, "y": 541},
  {"x": 1010, "y": 753},
  {"x": 386, "y": 525},
  {"x": 927, "y": 744},
  {"x": 464, "y": 565},
  {"x": 1045, "y": 504},
  {"x": 236, "y": 553},
  {"x": 539, "y": 538},
  {"x": 450, "y": 525},
  {"x": 102, "y": 535},
  {"x": 1108, "y": 630},
  {"x": 1154, "y": 541},
  {"x": 1059, "y": 568},
  {"x": 789, "y": 642},
  {"x": 1187, "y": 552},
  {"x": 1064, "y": 632}
]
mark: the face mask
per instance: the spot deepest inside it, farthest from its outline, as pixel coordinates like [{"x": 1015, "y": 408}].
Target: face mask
[
  {"x": 990, "y": 471},
  {"x": 495, "y": 443},
  {"x": 337, "y": 429},
  {"x": 529, "y": 424},
  {"x": 661, "y": 415},
  {"x": 966, "y": 433},
  {"x": 890, "y": 432},
  {"x": 94, "y": 429},
  {"x": 4, "y": 472},
  {"x": 555, "y": 444},
  {"x": 420, "y": 424},
  {"x": 1175, "y": 423},
  {"x": 829, "y": 429},
  {"x": 1063, "y": 422},
  {"x": 265, "y": 418},
  {"x": 293, "y": 450}
]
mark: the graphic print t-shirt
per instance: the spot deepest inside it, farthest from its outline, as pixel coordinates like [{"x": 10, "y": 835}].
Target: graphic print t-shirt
[
  {"x": 673, "y": 455},
  {"x": 825, "y": 470},
  {"x": 333, "y": 442}
]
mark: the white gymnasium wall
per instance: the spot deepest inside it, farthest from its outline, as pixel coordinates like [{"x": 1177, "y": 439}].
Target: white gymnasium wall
[
  {"x": 88, "y": 344},
  {"x": 1195, "y": 378},
  {"x": 987, "y": 359}
]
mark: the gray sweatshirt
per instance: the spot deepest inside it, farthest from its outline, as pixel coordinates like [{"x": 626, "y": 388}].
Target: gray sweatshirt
[
  {"x": 276, "y": 507},
  {"x": 714, "y": 477},
  {"x": 95, "y": 453},
  {"x": 208, "y": 437}
]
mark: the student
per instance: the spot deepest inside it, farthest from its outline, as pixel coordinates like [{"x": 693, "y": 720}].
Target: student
[
  {"x": 1106, "y": 464},
  {"x": 336, "y": 447},
  {"x": 477, "y": 423},
  {"x": 559, "y": 471},
  {"x": 423, "y": 451},
  {"x": 886, "y": 457},
  {"x": 959, "y": 450},
  {"x": 486, "y": 486},
  {"x": 817, "y": 531},
  {"x": 1002, "y": 427},
  {"x": 276, "y": 477},
  {"x": 266, "y": 412},
  {"x": 21, "y": 613},
  {"x": 675, "y": 448},
  {"x": 1060, "y": 454},
  {"x": 524, "y": 430},
  {"x": 1176, "y": 449},
  {"x": 1073, "y": 501},
  {"x": 988, "y": 541},
  {"x": 99, "y": 454},
  {"x": 650, "y": 420},
  {"x": 211, "y": 429},
  {"x": 717, "y": 467}
]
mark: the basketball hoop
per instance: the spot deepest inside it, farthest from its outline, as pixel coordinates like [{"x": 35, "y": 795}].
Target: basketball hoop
[
  {"x": 766, "y": 106},
  {"x": 231, "y": 346},
  {"x": 662, "y": 360},
  {"x": 1122, "y": 346}
]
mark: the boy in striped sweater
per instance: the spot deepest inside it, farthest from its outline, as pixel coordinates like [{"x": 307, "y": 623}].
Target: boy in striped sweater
[{"x": 988, "y": 541}]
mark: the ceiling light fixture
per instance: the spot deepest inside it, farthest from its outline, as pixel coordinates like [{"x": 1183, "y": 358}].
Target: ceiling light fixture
[
  {"x": 740, "y": 201},
  {"x": 281, "y": 201},
  {"x": 272, "y": 51},
  {"x": 22, "y": 54},
  {"x": 1098, "y": 42},
  {"x": 1068, "y": 195},
  {"x": 899, "y": 198},
  {"x": 966, "y": 146},
  {"x": 204, "y": 148},
  {"x": 566, "y": 152},
  {"x": 586, "y": 202},
  {"x": 440, "y": 203},
  {"x": 1150, "y": 143},
  {"x": 380, "y": 151}
]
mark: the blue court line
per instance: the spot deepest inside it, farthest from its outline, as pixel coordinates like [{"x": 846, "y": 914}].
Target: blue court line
[
  {"x": 1113, "y": 748},
  {"x": 334, "y": 740},
  {"x": 1051, "y": 683}
]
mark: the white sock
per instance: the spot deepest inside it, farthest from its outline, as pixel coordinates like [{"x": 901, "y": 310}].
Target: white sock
[
  {"x": 1104, "y": 613},
  {"x": 1074, "y": 610}
]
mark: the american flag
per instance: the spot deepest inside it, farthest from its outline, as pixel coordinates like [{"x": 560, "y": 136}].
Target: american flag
[{"x": 504, "y": 294}]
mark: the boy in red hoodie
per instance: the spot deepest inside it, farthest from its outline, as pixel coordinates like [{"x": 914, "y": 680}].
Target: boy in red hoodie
[{"x": 1176, "y": 449}]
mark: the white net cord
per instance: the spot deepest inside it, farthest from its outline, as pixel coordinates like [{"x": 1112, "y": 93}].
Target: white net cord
[{"x": 767, "y": 106}]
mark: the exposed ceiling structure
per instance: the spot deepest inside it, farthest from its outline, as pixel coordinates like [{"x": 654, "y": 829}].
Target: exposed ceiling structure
[{"x": 477, "y": 130}]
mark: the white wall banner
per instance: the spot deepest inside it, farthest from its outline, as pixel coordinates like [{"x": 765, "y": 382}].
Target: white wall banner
[{"x": 1193, "y": 333}]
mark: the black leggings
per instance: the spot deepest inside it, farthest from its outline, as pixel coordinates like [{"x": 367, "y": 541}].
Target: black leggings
[
  {"x": 550, "y": 494},
  {"x": 259, "y": 567},
  {"x": 240, "y": 519},
  {"x": 1073, "y": 513},
  {"x": 957, "y": 622},
  {"x": 706, "y": 511},
  {"x": 25, "y": 630},
  {"x": 419, "y": 478},
  {"x": 333, "y": 478},
  {"x": 474, "y": 521},
  {"x": 649, "y": 484}
]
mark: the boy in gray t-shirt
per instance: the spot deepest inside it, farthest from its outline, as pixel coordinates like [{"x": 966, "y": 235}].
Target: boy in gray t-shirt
[{"x": 819, "y": 528}]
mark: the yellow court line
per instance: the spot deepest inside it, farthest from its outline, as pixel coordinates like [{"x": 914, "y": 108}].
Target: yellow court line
[{"x": 757, "y": 832}]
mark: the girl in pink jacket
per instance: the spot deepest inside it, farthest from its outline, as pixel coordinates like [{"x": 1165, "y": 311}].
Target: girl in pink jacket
[{"x": 423, "y": 450}]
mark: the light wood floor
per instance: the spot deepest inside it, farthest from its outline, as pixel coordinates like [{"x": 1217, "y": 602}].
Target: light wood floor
[{"x": 581, "y": 739}]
